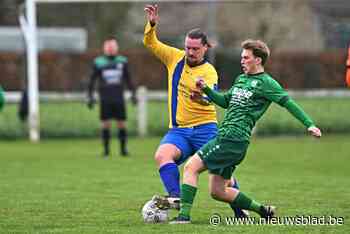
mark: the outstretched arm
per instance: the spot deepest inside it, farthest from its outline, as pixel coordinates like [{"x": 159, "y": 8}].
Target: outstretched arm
[
  {"x": 217, "y": 97},
  {"x": 130, "y": 83},
  {"x": 274, "y": 92},
  {"x": 165, "y": 53},
  {"x": 299, "y": 114},
  {"x": 91, "y": 87}
]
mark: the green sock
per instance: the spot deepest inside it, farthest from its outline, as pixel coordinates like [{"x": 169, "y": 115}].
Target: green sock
[
  {"x": 246, "y": 203},
  {"x": 188, "y": 193}
]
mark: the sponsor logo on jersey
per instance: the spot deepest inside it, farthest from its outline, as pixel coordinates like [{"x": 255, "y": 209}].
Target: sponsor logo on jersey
[
  {"x": 254, "y": 83},
  {"x": 240, "y": 96},
  {"x": 112, "y": 76}
]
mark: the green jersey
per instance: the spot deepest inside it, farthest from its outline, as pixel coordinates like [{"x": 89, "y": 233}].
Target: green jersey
[
  {"x": 247, "y": 100},
  {"x": 2, "y": 98}
]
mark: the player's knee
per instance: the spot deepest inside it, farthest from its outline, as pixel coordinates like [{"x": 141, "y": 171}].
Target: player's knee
[
  {"x": 189, "y": 169},
  {"x": 216, "y": 193},
  {"x": 229, "y": 183},
  {"x": 105, "y": 124},
  {"x": 162, "y": 158},
  {"x": 158, "y": 157}
]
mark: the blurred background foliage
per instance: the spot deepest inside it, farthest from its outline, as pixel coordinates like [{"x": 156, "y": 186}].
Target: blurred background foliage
[
  {"x": 308, "y": 38},
  {"x": 310, "y": 25}
]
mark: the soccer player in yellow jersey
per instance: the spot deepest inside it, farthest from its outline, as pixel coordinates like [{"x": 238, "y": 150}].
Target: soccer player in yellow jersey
[{"x": 192, "y": 116}]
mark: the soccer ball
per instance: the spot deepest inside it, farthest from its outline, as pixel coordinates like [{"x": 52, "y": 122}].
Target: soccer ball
[{"x": 152, "y": 214}]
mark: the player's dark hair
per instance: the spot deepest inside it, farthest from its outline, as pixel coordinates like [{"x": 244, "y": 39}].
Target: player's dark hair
[
  {"x": 111, "y": 37},
  {"x": 259, "y": 49},
  {"x": 197, "y": 33}
]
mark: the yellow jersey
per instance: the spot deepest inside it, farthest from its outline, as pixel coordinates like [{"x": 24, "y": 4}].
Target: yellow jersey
[{"x": 183, "y": 111}]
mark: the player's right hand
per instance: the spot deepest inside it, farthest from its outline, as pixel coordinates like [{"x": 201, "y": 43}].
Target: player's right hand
[
  {"x": 315, "y": 131},
  {"x": 152, "y": 13},
  {"x": 91, "y": 103}
]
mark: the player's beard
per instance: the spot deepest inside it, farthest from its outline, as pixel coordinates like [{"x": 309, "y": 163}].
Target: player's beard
[{"x": 191, "y": 61}]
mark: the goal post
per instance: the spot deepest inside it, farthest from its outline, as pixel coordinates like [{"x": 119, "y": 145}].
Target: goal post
[
  {"x": 30, "y": 32},
  {"x": 31, "y": 37}
]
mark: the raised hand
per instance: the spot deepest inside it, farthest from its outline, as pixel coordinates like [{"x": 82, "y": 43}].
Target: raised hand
[
  {"x": 315, "y": 131},
  {"x": 152, "y": 13}
]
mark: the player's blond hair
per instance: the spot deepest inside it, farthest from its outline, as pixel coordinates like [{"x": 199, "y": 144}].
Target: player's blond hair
[{"x": 259, "y": 49}]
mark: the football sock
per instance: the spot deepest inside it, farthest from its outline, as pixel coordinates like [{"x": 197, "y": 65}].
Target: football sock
[
  {"x": 169, "y": 173},
  {"x": 244, "y": 202},
  {"x": 122, "y": 135},
  {"x": 106, "y": 135},
  {"x": 238, "y": 211},
  {"x": 188, "y": 194}
]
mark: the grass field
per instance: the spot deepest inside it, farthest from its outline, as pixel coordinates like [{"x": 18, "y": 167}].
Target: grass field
[
  {"x": 75, "y": 120},
  {"x": 62, "y": 186}
]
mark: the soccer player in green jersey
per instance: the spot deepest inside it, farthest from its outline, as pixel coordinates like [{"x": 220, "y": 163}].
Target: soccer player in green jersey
[
  {"x": 246, "y": 101},
  {"x": 192, "y": 117},
  {"x": 2, "y": 98}
]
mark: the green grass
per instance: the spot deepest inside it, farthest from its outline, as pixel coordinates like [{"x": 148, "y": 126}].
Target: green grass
[
  {"x": 62, "y": 186},
  {"x": 60, "y": 120}
]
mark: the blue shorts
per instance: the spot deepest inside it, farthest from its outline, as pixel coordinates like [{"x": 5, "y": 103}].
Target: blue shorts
[{"x": 189, "y": 140}]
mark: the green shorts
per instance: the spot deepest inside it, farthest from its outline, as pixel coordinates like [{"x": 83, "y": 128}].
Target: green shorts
[{"x": 221, "y": 155}]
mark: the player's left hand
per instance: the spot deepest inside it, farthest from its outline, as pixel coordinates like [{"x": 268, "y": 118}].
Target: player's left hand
[
  {"x": 315, "y": 131},
  {"x": 152, "y": 13}
]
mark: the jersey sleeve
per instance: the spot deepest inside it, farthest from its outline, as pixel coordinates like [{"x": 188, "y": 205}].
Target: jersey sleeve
[
  {"x": 220, "y": 99},
  {"x": 298, "y": 113},
  {"x": 212, "y": 79},
  {"x": 165, "y": 53},
  {"x": 127, "y": 77},
  {"x": 93, "y": 77},
  {"x": 273, "y": 91}
]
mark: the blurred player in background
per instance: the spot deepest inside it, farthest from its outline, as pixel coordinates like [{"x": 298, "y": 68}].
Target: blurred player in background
[
  {"x": 2, "y": 98},
  {"x": 247, "y": 100},
  {"x": 192, "y": 116},
  {"x": 112, "y": 73},
  {"x": 23, "y": 107}
]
